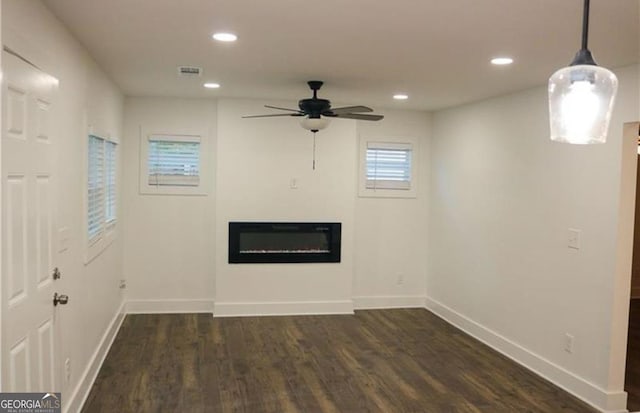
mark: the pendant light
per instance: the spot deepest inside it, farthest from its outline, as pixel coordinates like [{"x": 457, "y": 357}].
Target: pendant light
[{"x": 581, "y": 97}]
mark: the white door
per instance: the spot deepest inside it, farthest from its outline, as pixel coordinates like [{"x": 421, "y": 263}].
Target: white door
[{"x": 28, "y": 322}]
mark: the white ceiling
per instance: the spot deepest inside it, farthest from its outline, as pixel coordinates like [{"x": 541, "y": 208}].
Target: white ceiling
[{"x": 437, "y": 51}]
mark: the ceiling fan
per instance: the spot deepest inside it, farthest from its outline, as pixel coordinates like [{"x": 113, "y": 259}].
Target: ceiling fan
[{"x": 316, "y": 112}]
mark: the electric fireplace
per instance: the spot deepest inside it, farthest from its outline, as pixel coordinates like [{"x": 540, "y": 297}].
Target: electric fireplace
[{"x": 284, "y": 242}]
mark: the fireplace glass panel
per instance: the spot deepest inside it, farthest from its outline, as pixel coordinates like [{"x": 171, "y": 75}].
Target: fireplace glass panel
[{"x": 284, "y": 243}]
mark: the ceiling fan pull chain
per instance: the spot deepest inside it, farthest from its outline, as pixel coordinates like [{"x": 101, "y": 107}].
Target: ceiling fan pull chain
[{"x": 314, "y": 150}]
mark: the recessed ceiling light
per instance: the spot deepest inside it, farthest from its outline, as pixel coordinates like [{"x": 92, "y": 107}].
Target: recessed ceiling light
[
  {"x": 501, "y": 61},
  {"x": 225, "y": 37},
  {"x": 211, "y": 85},
  {"x": 401, "y": 96}
]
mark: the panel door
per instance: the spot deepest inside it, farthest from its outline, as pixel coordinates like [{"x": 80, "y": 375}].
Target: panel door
[{"x": 28, "y": 179}]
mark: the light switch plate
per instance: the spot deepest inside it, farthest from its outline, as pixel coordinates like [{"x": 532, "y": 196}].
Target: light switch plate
[
  {"x": 574, "y": 239},
  {"x": 63, "y": 239}
]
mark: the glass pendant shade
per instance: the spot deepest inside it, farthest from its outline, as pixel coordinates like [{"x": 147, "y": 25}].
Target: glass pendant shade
[
  {"x": 581, "y": 99},
  {"x": 314, "y": 124}
]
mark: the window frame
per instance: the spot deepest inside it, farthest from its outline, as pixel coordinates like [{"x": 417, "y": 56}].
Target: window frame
[
  {"x": 400, "y": 143},
  {"x": 146, "y": 188},
  {"x": 110, "y": 185}
]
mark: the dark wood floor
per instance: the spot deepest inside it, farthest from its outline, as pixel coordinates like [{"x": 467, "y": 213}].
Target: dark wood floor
[
  {"x": 376, "y": 361},
  {"x": 632, "y": 380}
]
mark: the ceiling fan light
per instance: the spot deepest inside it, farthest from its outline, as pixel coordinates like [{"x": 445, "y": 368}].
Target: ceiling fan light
[
  {"x": 314, "y": 124},
  {"x": 581, "y": 100}
]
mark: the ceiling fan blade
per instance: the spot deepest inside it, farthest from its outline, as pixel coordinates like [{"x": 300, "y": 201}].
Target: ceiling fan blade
[
  {"x": 275, "y": 107},
  {"x": 272, "y": 115},
  {"x": 351, "y": 109},
  {"x": 359, "y": 116}
]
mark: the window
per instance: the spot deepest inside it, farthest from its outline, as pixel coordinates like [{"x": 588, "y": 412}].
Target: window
[
  {"x": 101, "y": 188},
  {"x": 172, "y": 164},
  {"x": 95, "y": 187},
  {"x": 388, "y": 166},
  {"x": 387, "y": 169},
  {"x": 111, "y": 181}
]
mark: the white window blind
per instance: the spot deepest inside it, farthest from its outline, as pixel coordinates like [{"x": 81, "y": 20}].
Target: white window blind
[
  {"x": 111, "y": 169},
  {"x": 388, "y": 165},
  {"x": 95, "y": 187},
  {"x": 173, "y": 161},
  {"x": 101, "y": 187}
]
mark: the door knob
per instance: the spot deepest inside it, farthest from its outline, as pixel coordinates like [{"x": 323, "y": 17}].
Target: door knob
[
  {"x": 56, "y": 274},
  {"x": 60, "y": 299}
]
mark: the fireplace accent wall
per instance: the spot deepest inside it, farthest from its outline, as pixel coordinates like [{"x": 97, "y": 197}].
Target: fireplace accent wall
[{"x": 284, "y": 242}]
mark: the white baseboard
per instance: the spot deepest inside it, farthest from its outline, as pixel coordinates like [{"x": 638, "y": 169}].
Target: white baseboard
[
  {"x": 388, "y": 301},
  {"x": 82, "y": 390},
  {"x": 168, "y": 306},
  {"x": 282, "y": 308},
  {"x": 603, "y": 400}
]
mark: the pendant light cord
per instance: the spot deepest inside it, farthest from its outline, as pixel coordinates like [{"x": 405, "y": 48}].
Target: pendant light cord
[
  {"x": 584, "y": 57},
  {"x": 585, "y": 25}
]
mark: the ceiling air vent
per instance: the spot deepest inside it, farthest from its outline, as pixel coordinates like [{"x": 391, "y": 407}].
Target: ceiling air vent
[{"x": 189, "y": 71}]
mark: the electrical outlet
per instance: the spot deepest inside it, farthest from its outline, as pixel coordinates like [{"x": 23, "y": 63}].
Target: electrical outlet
[
  {"x": 568, "y": 343},
  {"x": 400, "y": 279},
  {"x": 293, "y": 183},
  {"x": 123, "y": 284},
  {"x": 67, "y": 370}
]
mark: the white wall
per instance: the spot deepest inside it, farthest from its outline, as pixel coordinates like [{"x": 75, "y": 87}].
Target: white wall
[
  {"x": 391, "y": 233},
  {"x": 85, "y": 97},
  {"x": 257, "y": 160},
  {"x": 176, "y": 252},
  {"x": 502, "y": 199},
  {"x": 169, "y": 246}
]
